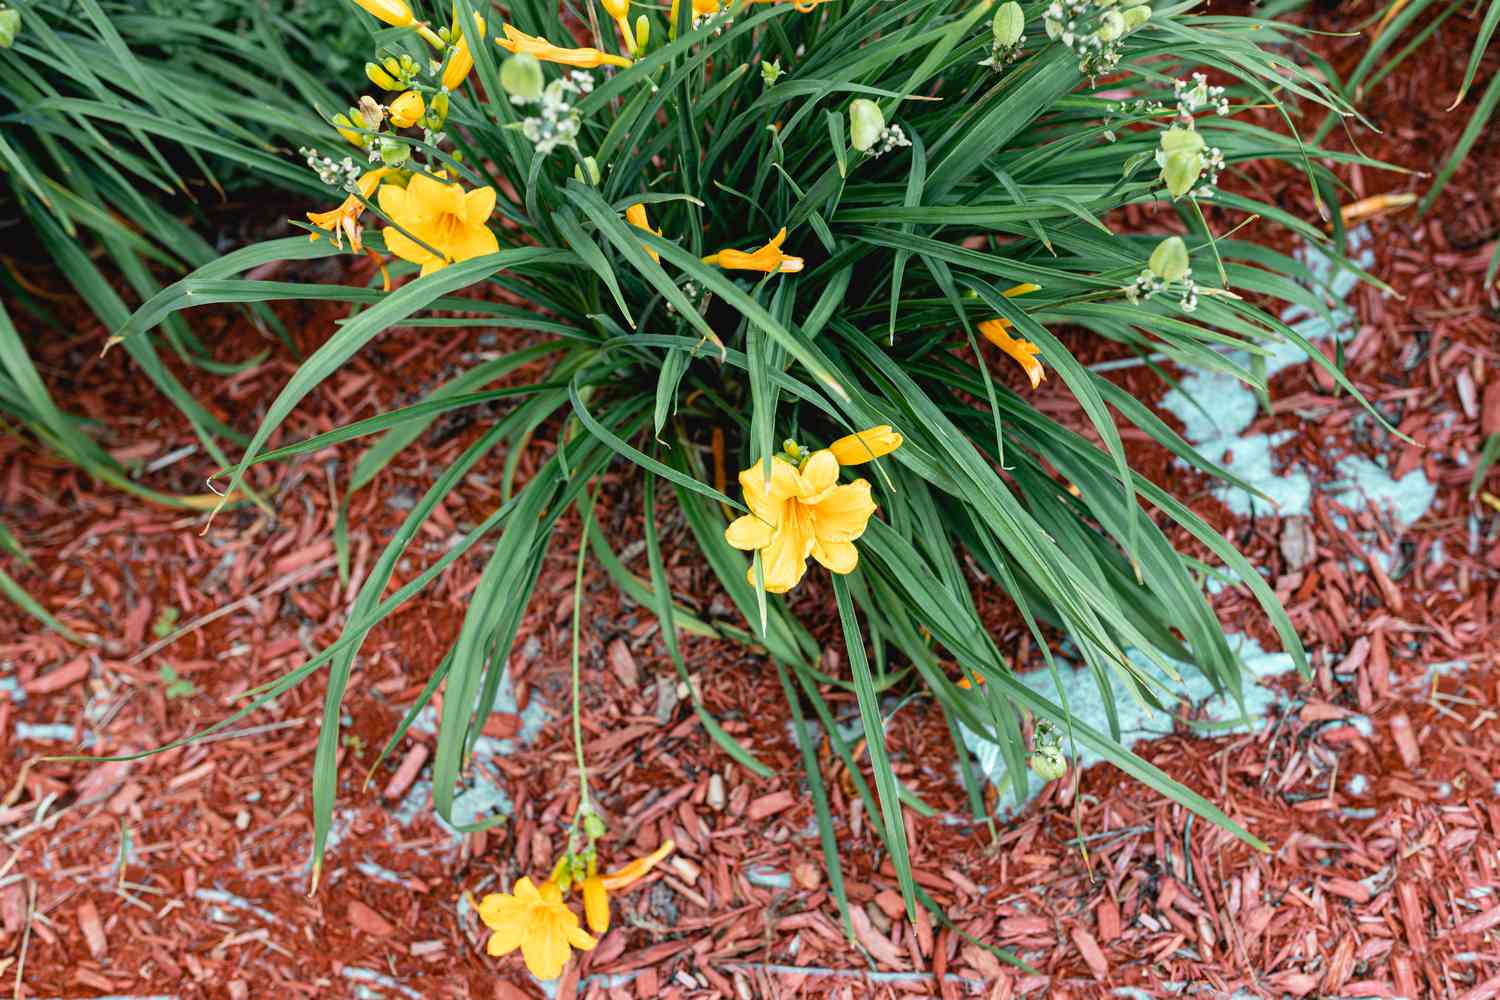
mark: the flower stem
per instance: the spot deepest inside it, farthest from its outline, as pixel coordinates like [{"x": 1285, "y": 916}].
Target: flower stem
[{"x": 583, "y": 546}]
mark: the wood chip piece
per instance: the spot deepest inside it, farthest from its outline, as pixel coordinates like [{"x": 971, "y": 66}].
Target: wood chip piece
[
  {"x": 1406, "y": 741},
  {"x": 66, "y": 675},
  {"x": 770, "y": 805},
  {"x": 623, "y": 664},
  {"x": 877, "y": 944},
  {"x": 92, "y": 928},
  {"x": 367, "y": 920},
  {"x": 1092, "y": 954}
]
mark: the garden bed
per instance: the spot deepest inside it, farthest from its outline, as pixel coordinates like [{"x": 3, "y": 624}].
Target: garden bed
[{"x": 185, "y": 874}]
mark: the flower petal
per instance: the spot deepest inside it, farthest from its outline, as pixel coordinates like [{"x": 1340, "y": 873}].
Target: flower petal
[
  {"x": 545, "y": 948},
  {"x": 579, "y": 938},
  {"x": 819, "y": 475},
  {"x": 836, "y": 557},
  {"x": 471, "y": 241},
  {"x": 765, "y": 497},
  {"x": 749, "y": 533},
  {"x": 434, "y": 197},
  {"x": 479, "y": 205},
  {"x": 505, "y": 940},
  {"x": 526, "y": 891},
  {"x": 784, "y": 561},
  {"x": 843, "y": 515}
]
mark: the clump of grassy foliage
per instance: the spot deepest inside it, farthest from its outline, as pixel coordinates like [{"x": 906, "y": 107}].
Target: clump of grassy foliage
[{"x": 729, "y": 125}]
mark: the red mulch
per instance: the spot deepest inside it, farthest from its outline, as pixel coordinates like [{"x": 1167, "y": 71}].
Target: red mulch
[{"x": 1377, "y": 789}]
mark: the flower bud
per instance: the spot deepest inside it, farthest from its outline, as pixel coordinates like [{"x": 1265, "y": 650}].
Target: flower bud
[
  {"x": 380, "y": 78},
  {"x": 1008, "y": 24},
  {"x": 616, "y": 9},
  {"x": 865, "y": 123},
  {"x": 642, "y": 33},
  {"x": 394, "y": 152},
  {"x": 347, "y": 129},
  {"x": 1049, "y": 762},
  {"x": 592, "y": 179},
  {"x": 407, "y": 109},
  {"x": 1169, "y": 261},
  {"x": 1181, "y": 159},
  {"x": 770, "y": 72},
  {"x": 10, "y": 26},
  {"x": 521, "y": 77},
  {"x": 439, "y": 109},
  {"x": 393, "y": 12},
  {"x": 1111, "y": 26},
  {"x": 1136, "y": 16},
  {"x": 593, "y": 826}
]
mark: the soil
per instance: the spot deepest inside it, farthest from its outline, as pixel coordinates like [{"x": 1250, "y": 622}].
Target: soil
[{"x": 185, "y": 873}]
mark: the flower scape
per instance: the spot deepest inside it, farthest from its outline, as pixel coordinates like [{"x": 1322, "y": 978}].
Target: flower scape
[{"x": 849, "y": 251}]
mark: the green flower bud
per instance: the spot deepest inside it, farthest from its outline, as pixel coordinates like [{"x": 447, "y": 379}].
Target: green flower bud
[
  {"x": 1049, "y": 762},
  {"x": 438, "y": 108},
  {"x": 1111, "y": 26},
  {"x": 770, "y": 72},
  {"x": 1008, "y": 24},
  {"x": 521, "y": 77},
  {"x": 1136, "y": 16},
  {"x": 393, "y": 152},
  {"x": 380, "y": 78},
  {"x": 642, "y": 33},
  {"x": 10, "y": 26},
  {"x": 865, "y": 123},
  {"x": 1181, "y": 171},
  {"x": 1169, "y": 261},
  {"x": 592, "y": 180},
  {"x": 593, "y": 826},
  {"x": 1182, "y": 140}
]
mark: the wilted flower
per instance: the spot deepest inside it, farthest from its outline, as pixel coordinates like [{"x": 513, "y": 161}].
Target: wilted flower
[{"x": 768, "y": 258}]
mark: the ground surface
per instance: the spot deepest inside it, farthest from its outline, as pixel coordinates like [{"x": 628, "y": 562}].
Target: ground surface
[{"x": 185, "y": 875}]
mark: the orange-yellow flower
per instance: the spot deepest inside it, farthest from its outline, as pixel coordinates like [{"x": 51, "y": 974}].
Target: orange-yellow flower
[
  {"x": 516, "y": 40},
  {"x": 344, "y": 220},
  {"x": 866, "y": 446},
  {"x": 461, "y": 62},
  {"x": 536, "y": 921},
  {"x": 442, "y": 215},
  {"x": 596, "y": 888},
  {"x": 636, "y": 216},
  {"x": 768, "y": 258},
  {"x": 1023, "y": 352},
  {"x": 798, "y": 513},
  {"x": 407, "y": 109}
]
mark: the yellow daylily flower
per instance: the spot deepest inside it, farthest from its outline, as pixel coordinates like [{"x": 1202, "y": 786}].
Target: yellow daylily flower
[
  {"x": 803, "y": 6},
  {"x": 866, "y": 445},
  {"x": 536, "y": 921},
  {"x": 441, "y": 214},
  {"x": 461, "y": 62},
  {"x": 596, "y": 888},
  {"x": 407, "y": 109},
  {"x": 516, "y": 40},
  {"x": 768, "y": 258},
  {"x": 636, "y": 216},
  {"x": 1022, "y": 351},
  {"x": 396, "y": 13},
  {"x": 344, "y": 220},
  {"x": 798, "y": 513}
]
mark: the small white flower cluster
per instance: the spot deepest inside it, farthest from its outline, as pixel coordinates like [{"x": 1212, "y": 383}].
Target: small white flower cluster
[
  {"x": 1148, "y": 285},
  {"x": 335, "y": 173},
  {"x": 1213, "y": 163},
  {"x": 556, "y": 123},
  {"x": 694, "y": 295},
  {"x": 1198, "y": 94},
  {"x": 891, "y": 137}
]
